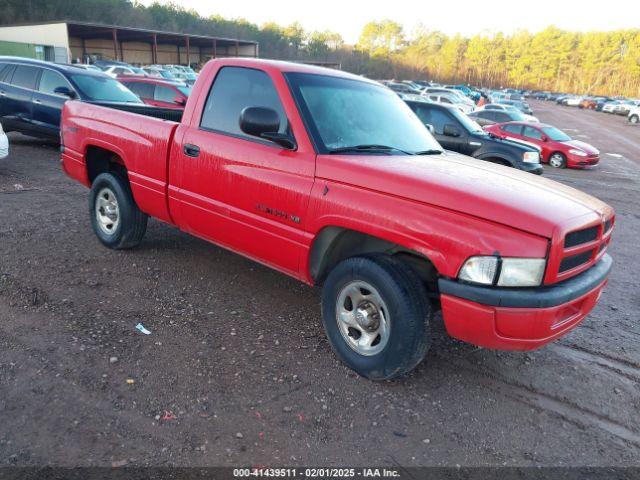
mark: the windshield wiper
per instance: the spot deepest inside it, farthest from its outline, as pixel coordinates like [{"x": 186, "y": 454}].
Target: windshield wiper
[
  {"x": 433, "y": 151},
  {"x": 368, "y": 148}
]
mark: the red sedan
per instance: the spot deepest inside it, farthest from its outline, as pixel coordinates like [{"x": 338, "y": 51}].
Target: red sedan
[
  {"x": 157, "y": 92},
  {"x": 556, "y": 147}
]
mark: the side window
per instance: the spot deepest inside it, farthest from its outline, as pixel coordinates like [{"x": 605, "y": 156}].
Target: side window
[
  {"x": 50, "y": 80},
  {"x": 164, "y": 94},
  {"x": 515, "y": 129},
  {"x": 439, "y": 119},
  {"x": 446, "y": 100},
  {"x": 501, "y": 117},
  {"x": 25, "y": 77},
  {"x": 532, "y": 133},
  {"x": 423, "y": 113},
  {"x": 7, "y": 73},
  {"x": 234, "y": 89},
  {"x": 491, "y": 107},
  {"x": 143, "y": 90}
]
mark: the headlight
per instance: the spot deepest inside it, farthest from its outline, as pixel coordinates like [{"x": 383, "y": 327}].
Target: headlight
[
  {"x": 579, "y": 153},
  {"x": 503, "y": 272},
  {"x": 531, "y": 157}
]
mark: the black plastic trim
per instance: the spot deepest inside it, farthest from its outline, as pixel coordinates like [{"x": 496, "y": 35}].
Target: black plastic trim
[{"x": 538, "y": 297}]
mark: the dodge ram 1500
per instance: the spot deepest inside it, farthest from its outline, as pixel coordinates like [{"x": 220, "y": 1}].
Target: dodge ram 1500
[{"x": 332, "y": 179}]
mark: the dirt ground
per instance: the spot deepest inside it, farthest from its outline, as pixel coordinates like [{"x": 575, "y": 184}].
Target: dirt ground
[{"x": 237, "y": 370}]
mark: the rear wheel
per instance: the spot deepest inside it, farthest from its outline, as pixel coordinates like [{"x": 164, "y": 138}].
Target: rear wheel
[
  {"x": 116, "y": 219},
  {"x": 634, "y": 119},
  {"x": 377, "y": 316},
  {"x": 558, "y": 160}
]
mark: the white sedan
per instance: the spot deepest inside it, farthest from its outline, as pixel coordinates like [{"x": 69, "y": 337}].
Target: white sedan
[{"x": 4, "y": 144}]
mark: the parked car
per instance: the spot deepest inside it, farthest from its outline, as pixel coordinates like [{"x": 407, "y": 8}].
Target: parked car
[
  {"x": 4, "y": 144},
  {"x": 399, "y": 87},
  {"x": 556, "y": 147},
  {"x": 612, "y": 107},
  {"x": 456, "y": 131},
  {"x": 634, "y": 115},
  {"x": 588, "y": 103},
  {"x": 519, "y": 105},
  {"x": 32, "y": 93},
  {"x": 600, "y": 104},
  {"x": 117, "y": 71},
  {"x": 158, "y": 93},
  {"x": 164, "y": 74},
  {"x": 87, "y": 66},
  {"x": 462, "y": 98},
  {"x": 104, "y": 64},
  {"x": 492, "y": 113},
  {"x": 449, "y": 99},
  {"x": 330, "y": 178},
  {"x": 472, "y": 94}
]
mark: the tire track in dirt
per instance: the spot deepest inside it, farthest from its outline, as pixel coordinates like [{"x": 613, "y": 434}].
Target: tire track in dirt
[{"x": 561, "y": 407}]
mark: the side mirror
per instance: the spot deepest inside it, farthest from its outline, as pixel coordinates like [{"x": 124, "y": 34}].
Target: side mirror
[
  {"x": 545, "y": 138},
  {"x": 430, "y": 128},
  {"x": 66, "y": 91},
  {"x": 265, "y": 123},
  {"x": 180, "y": 101},
  {"x": 451, "y": 131}
]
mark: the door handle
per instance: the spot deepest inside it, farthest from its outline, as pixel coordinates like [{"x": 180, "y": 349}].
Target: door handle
[
  {"x": 36, "y": 101},
  {"x": 2, "y": 94},
  {"x": 191, "y": 150}
]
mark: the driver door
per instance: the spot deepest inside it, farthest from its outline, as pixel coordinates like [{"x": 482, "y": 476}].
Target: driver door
[{"x": 243, "y": 192}]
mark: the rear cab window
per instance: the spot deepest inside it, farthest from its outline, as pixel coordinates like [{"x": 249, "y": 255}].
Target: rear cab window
[{"x": 234, "y": 89}]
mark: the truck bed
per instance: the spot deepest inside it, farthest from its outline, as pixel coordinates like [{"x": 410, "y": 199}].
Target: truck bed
[
  {"x": 170, "y": 114},
  {"x": 140, "y": 136}
]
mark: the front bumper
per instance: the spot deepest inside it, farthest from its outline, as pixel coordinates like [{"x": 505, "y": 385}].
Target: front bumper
[
  {"x": 574, "y": 161},
  {"x": 535, "y": 168},
  {"x": 520, "y": 318}
]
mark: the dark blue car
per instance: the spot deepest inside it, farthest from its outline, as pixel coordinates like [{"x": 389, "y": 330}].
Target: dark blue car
[{"x": 33, "y": 92}]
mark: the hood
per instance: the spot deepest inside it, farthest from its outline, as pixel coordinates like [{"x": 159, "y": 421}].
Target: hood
[
  {"x": 455, "y": 182},
  {"x": 585, "y": 147}
]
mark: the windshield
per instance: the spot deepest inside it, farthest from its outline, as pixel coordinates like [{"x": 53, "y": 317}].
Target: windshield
[
  {"x": 468, "y": 123},
  {"x": 185, "y": 90},
  {"x": 104, "y": 89},
  {"x": 343, "y": 113},
  {"x": 556, "y": 135}
]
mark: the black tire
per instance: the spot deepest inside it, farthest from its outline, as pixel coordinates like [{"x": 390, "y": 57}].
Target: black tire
[
  {"x": 499, "y": 161},
  {"x": 409, "y": 314},
  {"x": 634, "y": 119},
  {"x": 562, "y": 160},
  {"x": 132, "y": 223}
]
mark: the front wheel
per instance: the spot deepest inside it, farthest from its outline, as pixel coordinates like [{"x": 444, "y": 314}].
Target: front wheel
[
  {"x": 116, "y": 219},
  {"x": 377, "y": 316},
  {"x": 634, "y": 119},
  {"x": 558, "y": 160}
]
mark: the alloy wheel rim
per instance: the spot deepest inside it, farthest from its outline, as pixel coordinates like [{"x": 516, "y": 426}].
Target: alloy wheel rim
[
  {"x": 363, "y": 318},
  {"x": 107, "y": 211},
  {"x": 556, "y": 161}
]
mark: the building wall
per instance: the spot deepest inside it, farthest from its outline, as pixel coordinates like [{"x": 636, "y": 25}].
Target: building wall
[
  {"x": 49, "y": 36},
  {"x": 16, "y": 49},
  {"x": 52, "y": 34}
]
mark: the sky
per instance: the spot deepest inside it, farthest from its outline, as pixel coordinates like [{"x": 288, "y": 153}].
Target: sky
[{"x": 467, "y": 17}]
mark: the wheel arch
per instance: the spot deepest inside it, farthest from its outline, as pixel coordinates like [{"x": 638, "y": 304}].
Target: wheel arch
[
  {"x": 334, "y": 243},
  {"x": 99, "y": 159}
]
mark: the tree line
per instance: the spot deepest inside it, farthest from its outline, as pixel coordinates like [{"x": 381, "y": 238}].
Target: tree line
[{"x": 605, "y": 63}]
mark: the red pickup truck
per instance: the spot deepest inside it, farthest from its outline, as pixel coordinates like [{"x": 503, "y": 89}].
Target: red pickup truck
[{"x": 331, "y": 178}]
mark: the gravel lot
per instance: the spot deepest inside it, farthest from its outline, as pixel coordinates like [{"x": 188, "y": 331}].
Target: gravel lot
[{"x": 237, "y": 370}]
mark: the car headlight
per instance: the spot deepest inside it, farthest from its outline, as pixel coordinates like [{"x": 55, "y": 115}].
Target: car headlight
[
  {"x": 531, "y": 157},
  {"x": 503, "y": 272},
  {"x": 579, "y": 153}
]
